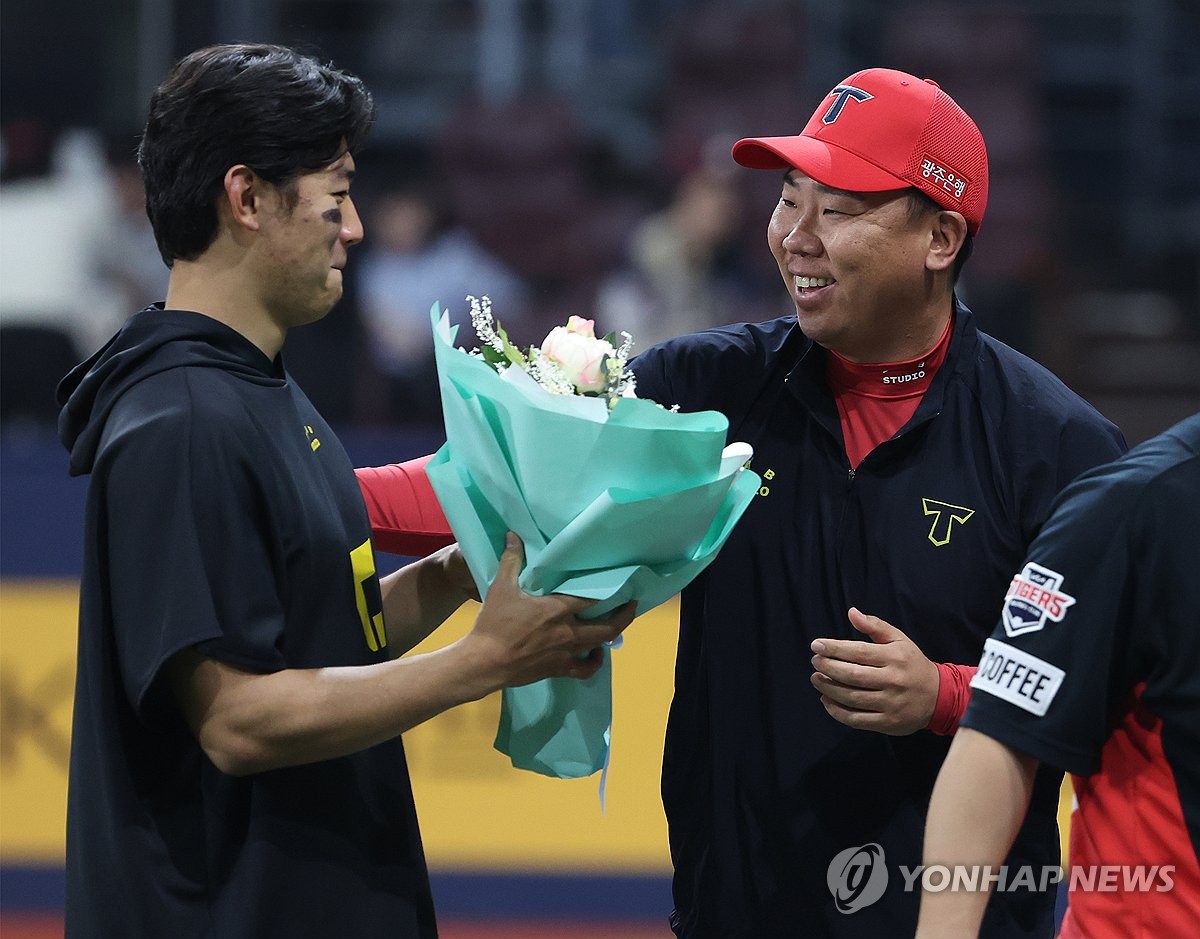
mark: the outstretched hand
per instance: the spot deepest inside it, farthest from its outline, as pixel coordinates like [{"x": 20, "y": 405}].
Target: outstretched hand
[
  {"x": 527, "y": 638},
  {"x": 885, "y": 684}
]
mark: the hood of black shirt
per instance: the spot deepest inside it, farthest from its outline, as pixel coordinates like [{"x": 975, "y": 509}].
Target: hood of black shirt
[{"x": 150, "y": 342}]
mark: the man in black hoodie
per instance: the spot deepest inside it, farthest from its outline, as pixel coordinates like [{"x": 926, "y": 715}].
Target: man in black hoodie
[{"x": 236, "y": 765}]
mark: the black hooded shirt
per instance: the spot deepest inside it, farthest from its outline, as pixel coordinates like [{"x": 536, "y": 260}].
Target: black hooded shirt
[{"x": 222, "y": 515}]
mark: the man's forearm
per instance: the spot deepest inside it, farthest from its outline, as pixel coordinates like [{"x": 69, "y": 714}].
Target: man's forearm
[
  {"x": 979, "y": 801},
  {"x": 250, "y": 722},
  {"x": 420, "y": 596}
]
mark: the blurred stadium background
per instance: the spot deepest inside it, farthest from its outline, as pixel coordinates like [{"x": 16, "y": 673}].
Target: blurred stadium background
[{"x": 566, "y": 156}]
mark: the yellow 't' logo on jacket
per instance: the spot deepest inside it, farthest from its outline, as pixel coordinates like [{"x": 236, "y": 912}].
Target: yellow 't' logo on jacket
[{"x": 944, "y": 516}]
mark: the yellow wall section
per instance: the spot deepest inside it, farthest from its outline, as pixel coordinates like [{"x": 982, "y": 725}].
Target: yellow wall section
[
  {"x": 476, "y": 810},
  {"x": 37, "y": 683}
]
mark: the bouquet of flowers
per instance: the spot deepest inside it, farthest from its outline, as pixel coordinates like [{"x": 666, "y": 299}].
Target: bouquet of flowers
[
  {"x": 571, "y": 360},
  {"x": 614, "y": 497}
]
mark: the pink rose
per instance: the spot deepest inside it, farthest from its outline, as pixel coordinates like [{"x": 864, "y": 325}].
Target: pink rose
[
  {"x": 575, "y": 349},
  {"x": 577, "y": 324}
]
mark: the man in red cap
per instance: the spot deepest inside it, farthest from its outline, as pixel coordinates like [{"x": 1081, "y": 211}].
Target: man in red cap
[{"x": 907, "y": 462}]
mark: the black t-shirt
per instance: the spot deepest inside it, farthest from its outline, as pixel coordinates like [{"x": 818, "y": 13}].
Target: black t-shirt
[
  {"x": 223, "y": 515},
  {"x": 1095, "y": 668}
]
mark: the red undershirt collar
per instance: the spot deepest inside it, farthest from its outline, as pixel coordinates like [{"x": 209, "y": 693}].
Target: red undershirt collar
[
  {"x": 890, "y": 379},
  {"x": 874, "y": 400}
]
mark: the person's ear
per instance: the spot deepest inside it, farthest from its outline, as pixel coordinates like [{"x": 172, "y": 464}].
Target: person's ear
[
  {"x": 948, "y": 231},
  {"x": 243, "y": 192}
]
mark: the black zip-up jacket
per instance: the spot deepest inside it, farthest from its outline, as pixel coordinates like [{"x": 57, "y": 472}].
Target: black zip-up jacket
[{"x": 763, "y": 790}]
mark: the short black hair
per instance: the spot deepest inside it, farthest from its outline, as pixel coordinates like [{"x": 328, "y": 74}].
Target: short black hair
[
  {"x": 920, "y": 204},
  {"x": 277, "y": 111}
]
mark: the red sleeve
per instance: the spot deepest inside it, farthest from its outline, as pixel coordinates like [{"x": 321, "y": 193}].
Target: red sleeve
[
  {"x": 954, "y": 694},
  {"x": 405, "y": 515}
]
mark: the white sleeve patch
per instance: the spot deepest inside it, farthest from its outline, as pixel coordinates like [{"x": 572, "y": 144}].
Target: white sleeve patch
[{"x": 1018, "y": 677}]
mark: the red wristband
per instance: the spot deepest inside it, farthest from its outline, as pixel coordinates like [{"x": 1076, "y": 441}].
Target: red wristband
[{"x": 954, "y": 694}]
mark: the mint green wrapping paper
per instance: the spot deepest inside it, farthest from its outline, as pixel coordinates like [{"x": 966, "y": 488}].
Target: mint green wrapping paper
[{"x": 612, "y": 506}]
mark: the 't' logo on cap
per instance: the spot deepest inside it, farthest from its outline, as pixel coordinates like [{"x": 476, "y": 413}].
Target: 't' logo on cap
[{"x": 844, "y": 93}]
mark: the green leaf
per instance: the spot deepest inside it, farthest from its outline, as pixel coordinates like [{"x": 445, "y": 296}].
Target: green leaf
[
  {"x": 511, "y": 352},
  {"x": 492, "y": 357}
]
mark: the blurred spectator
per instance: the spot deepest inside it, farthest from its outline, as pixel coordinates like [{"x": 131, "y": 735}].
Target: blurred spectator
[
  {"x": 520, "y": 180},
  {"x": 412, "y": 257},
  {"x": 729, "y": 67},
  {"x": 57, "y": 204},
  {"x": 685, "y": 269},
  {"x": 129, "y": 269}
]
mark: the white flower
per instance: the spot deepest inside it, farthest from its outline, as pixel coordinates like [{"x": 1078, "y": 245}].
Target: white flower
[
  {"x": 571, "y": 359},
  {"x": 582, "y": 357}
]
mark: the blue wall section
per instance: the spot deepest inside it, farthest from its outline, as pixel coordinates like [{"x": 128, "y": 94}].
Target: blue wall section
[
  {"x": 41, "y": 509},
  {"x": 41, "y": 506},
  {"x": 467, "y": 894}
]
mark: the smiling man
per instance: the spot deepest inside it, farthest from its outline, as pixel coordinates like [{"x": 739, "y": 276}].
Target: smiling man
[
  {"x": 236, "y": 763},
  {"x": 907, "y": 461}
]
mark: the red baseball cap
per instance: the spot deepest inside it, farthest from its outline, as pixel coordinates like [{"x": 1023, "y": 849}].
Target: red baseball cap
[{"x": 883, "y": 129}]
